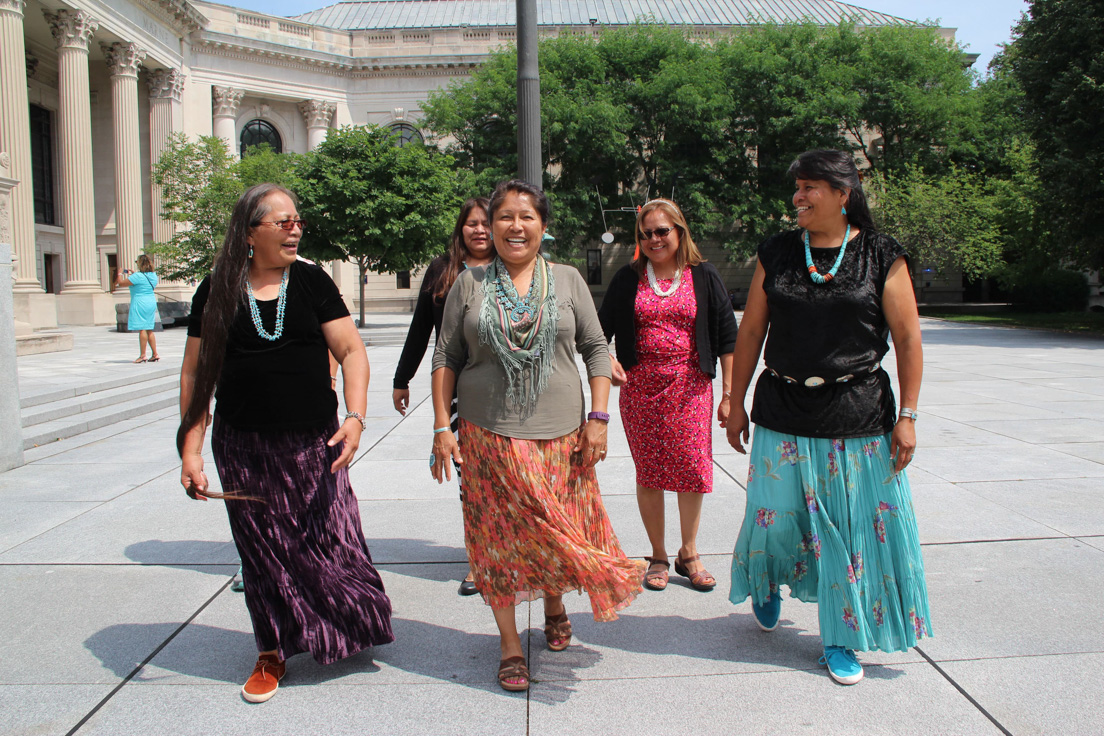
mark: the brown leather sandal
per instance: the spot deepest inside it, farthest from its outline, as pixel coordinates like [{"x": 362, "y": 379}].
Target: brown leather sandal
[
  {"x": 700, "y": 580},
  {"x": 513, "y": 668},
  {"x": 557, "y": 630},
  {"x": 657, "y": 580}
]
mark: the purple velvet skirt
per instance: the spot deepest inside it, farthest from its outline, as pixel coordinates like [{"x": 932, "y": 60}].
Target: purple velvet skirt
[{"x": 310, "y": 585}]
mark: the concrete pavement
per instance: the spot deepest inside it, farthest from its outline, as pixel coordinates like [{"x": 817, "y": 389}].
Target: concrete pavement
[{"x": 118, "y": 619}]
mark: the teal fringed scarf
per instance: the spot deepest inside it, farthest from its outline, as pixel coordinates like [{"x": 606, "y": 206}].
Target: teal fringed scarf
[{"x": 526, "y": 347}]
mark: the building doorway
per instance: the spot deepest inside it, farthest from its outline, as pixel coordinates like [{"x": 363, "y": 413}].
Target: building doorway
[{"x": 51, "y": 273}]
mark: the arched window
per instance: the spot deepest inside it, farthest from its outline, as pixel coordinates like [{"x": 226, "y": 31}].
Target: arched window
[
  {"x": 257, "y": 132},
  {"x": 404, "y": 134}
]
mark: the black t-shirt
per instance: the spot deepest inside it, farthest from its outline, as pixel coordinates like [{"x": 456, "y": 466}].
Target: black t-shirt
[
  {"x": 281, "y": 384},
  {"x": 828, "y": 331}
]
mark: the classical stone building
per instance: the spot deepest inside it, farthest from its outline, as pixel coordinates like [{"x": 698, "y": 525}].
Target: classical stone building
[{"x": 90, "y": 89}]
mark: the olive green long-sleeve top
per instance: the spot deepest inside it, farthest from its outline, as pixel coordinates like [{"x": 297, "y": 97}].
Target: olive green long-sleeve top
[{"x": 481, "y": 379}]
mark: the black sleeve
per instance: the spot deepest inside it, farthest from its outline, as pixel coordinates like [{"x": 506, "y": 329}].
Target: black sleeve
[
  {"x": 325, "y": 297},
  {"x": 421, "y": 328},
  {"x": 721, "y": 308},
  {"x": 609, "y": 314},
  {"x": 199, "y": 302}
]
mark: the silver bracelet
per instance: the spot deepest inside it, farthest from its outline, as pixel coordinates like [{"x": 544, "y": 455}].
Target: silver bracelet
[
  {"x": 909, "y": 414},
  {"x": 359, "y": 417}
]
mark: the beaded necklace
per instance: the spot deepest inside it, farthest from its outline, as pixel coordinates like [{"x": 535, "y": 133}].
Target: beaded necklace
[
  {"x": 817, "y": 277},
  {"x": 281, "y": 303},
  {"x": 519, "y": 309},
  {"x": 655, "y": 284}
]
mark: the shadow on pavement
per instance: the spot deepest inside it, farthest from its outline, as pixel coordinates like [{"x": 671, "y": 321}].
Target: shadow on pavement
[{"x": 174, "y": 554}]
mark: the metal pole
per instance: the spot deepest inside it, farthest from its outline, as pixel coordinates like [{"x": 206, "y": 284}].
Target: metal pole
[{"x": 528, "y": 95}]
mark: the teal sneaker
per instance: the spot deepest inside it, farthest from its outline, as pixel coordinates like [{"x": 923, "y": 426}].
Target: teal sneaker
[
  {"x": 237, "y": 584},
  {"x": 843, "y": 666},
  {"x": 767, "y": 614}
]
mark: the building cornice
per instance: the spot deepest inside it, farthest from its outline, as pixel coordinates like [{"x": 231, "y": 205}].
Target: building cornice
[
  {"x": 180, "y": 14},
  {"x": 227, "y": 46}
]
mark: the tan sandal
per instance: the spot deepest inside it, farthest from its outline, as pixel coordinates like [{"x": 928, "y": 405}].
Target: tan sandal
[
  {"x": 700, "y": 580},
  {"x": 657, "y": 580},
  {"x": 513, "y": 668},
  {"x": 557, "y": 631}
]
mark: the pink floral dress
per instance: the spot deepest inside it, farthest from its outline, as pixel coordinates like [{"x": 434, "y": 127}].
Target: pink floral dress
[{"x": 667, "y": 402}]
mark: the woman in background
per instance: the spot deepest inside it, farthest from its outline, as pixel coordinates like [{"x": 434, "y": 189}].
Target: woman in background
[{"x": 142, "y": 315}]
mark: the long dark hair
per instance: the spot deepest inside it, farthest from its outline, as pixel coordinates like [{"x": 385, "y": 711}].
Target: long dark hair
[
  {"x": 228, "y": 278},
  {"x": 458, "y": 250},
  {"x": 839, "y": 170}
]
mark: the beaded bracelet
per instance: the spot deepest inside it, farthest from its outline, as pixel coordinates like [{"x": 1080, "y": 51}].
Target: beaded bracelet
[{"x": 359, "y": 417}]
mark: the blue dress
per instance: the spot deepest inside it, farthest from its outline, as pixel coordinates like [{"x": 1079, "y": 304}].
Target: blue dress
[{"x": 143, "y": 303}]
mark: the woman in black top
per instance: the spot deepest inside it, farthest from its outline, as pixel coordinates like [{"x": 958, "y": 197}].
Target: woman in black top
[
  {"x": 470, "y": 246},
  {"x": 829, "y": 511},
  {"x": 261, "y": 330}
]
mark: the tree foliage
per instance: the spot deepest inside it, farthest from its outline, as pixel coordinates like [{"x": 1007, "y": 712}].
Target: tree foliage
[
  {"x": 200, "y": 183},
  {"x": 649, "y": 111},
  {"x": 384, "y": 207},
  {"x": 1058, "y": 58}
]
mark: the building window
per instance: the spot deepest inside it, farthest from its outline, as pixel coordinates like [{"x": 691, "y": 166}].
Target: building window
[
  {"x": 405, "y": 134},
  {"x": 594, "y": 267},
  {"x": 402, "y": 279},
  {"x": 257, "y": 132},
  {"x": 42, "y": 165}
]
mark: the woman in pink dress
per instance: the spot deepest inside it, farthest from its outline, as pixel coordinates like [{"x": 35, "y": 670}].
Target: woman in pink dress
[{"x": 672, "y": 319}]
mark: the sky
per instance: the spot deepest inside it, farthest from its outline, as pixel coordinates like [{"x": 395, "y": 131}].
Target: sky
[{"x": 982, "y": 24}]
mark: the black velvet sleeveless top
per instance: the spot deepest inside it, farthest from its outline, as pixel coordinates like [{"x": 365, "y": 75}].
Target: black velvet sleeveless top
[{"x": 820, "y": 333}]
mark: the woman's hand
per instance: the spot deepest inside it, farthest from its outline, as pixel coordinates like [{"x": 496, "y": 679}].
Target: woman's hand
[
  {"x": 619, "y": 374},
  {"x": 737, "y": 427},
  {"x": 591, "y": 446},
  {"x": 400, "y": 397},
  {"x": 445, "y": 452},
  {"x": 193, "y": 478},
  {"x": 723, "y": 410},
  {"x": 349, "y": 431},
  {"x": 902, "y": 444}
]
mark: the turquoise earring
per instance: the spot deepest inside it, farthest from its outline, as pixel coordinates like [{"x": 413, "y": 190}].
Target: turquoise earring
[
  {"x": 251, "y": 251},
  {"x": 843, "y": 211}
]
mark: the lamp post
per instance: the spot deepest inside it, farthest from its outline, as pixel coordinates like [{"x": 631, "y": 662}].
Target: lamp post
[{"x": 528, "y": 95}]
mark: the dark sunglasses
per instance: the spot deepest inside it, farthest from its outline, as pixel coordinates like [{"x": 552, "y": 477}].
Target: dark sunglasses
[
  {"x": 659, "y": 232},
  {"x": 288, "y": 225}
]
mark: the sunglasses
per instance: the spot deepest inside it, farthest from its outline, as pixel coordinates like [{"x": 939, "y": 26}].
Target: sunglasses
[
  {"x": 288, "y": 225},
  {"x": 659, "y": 232}
]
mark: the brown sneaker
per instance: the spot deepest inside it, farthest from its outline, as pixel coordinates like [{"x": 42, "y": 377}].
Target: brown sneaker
[{"x": 266, "y": 677}]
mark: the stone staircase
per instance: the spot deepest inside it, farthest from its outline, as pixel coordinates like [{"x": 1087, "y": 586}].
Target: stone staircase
[{"x": 62, "y": 413}]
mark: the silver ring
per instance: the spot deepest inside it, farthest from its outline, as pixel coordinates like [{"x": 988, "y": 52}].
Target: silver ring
[{"x": 432, "y": 459}]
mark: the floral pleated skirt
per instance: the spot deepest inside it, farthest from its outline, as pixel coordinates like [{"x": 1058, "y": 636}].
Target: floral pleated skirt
[
  {"x": 534, "y": 523},
  {"x": 833, "y": 522},
  {"x": 310, "y": 585}
]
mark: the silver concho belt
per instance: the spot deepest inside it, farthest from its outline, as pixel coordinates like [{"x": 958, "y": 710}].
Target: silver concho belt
[{"x": 817, "y": 381}]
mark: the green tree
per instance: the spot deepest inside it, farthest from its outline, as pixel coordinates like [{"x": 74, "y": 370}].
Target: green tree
[
  {"x": 385, "y": 208},
  {"x": 1058, "y": 57},
  {"x": 200, "y": 184}
]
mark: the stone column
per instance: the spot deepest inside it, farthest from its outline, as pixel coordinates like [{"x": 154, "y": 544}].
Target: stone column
[
  {"x": 73, "y": 29},
  {"x": 11, "y": 431},
  {"x": 165, "y": 88},
  {"x": 15, "y": 138},
  {"x": 123, "y": 60},
  {"x": 226, "y": 101},
  {"x": 318, "y": 114}
]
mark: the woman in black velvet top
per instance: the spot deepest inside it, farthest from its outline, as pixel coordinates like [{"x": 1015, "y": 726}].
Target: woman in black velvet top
[
  {"x": 829, "y": 510},
  {"x": 470, "y": 246}
]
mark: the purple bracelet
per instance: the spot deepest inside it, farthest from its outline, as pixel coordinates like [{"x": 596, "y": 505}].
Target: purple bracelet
[{"x": 599, "y": 415}]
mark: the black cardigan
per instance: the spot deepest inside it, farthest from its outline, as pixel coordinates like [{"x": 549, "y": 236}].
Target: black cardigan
[
  {"x": 427, "y": 318},
  {"x": 714, "y": 326}
]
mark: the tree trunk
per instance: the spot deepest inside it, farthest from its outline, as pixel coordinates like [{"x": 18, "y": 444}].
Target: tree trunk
[{"x": 363, "y": 273}]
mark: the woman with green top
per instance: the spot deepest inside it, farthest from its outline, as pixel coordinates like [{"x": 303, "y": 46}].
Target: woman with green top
[{"x": 534, "y": 522}]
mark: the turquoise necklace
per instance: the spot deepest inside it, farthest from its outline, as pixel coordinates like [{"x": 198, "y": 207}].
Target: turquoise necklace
[
  {"x": 816, "y": 275},
  {"x": 517, "y": 307},
  {"x": 281, "y": 303}
]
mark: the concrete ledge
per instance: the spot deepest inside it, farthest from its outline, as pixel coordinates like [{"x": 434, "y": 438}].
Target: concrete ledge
[{"x": 43, "y": 342}]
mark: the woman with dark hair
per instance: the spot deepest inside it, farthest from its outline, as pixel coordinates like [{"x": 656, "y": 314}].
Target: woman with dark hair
[
  {"x": 534, "y": 522},
  {"x": 142, "y": 315},
  {"x": 261, "y": 328},
  {"x": 829, "y": 511},
  {"x": 470, "y": 246},
  {"x": 673, "y": 321}
]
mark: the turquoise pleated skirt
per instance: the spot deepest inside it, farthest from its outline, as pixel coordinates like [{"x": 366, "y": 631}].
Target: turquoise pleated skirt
[{"x": 831, "y": 520}]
